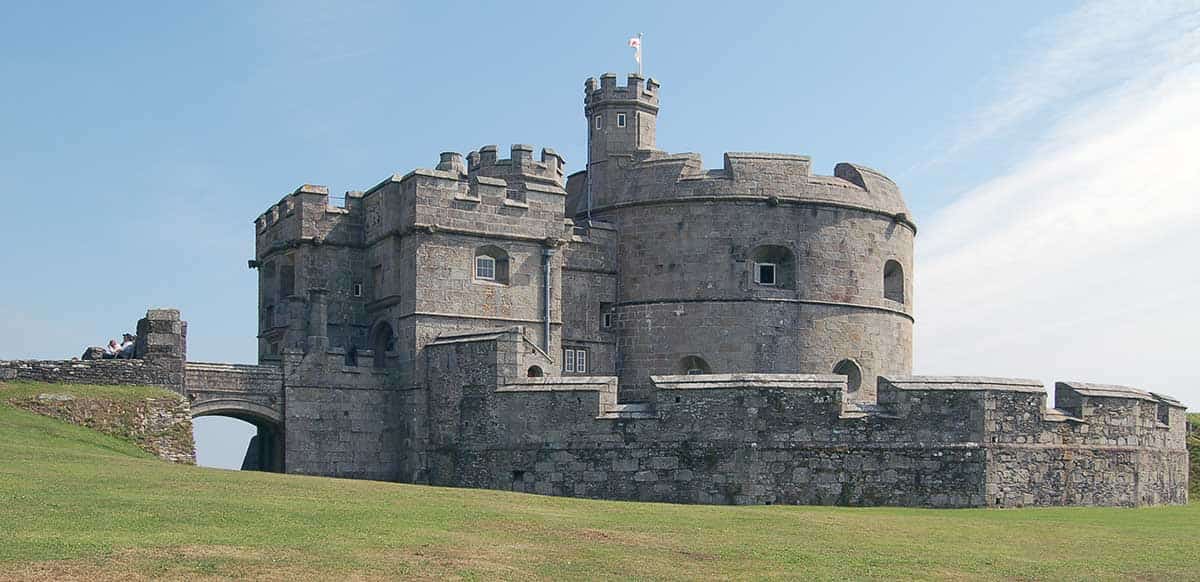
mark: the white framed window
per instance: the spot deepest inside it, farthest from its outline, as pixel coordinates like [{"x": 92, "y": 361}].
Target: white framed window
[
  {"x": 485, "y": 268},
  {"x": 575, "y": 360},
  {"x": 620, "y": 120},
  {"x": 764, "y": 273},
  {"x": 599, "y": 122},
  {"x": 356, "y": 289}
]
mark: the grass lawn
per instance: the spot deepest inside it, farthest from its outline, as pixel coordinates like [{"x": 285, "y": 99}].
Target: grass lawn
[{"x": 75, "y": 504}]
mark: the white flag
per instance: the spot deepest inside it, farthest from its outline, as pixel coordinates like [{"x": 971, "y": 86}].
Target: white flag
[{"x": 636, "y": 44}]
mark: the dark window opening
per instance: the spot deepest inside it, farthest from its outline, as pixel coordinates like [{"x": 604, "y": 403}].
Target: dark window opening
[
  {"x": 893, "y": 281},
  {"x": 620, "y": 120},
  {"x": 764, "y": 273},
  {"x": 356, "y": 289},
  {"x": 1164, "y": 414},
  {"x": 694, "y": 366},
  {"x": 853, "y": 373},
  {"x": 518, "y": 475},
  {"x": 382, "y": 342},
  {"x": 535, "y": 372},
  {"x": 774, "y": 266},
  {"x": 287, "y": 279}
]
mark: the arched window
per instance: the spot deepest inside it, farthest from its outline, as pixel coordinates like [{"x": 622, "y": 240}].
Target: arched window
[
  {"x": 535, "y": 372},
  {"x": 853, "y": 373},
  {"x": 491, "y": 265},
  {"x": 693, "y": 365},
  {"x": 773, "y": 266},
  {"x": 893, "y": 281},
  {"x": 382, "y": 342}
]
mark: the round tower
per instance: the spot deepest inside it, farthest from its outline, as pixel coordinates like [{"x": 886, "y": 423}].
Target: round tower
[{"x": 755, "y": 267}]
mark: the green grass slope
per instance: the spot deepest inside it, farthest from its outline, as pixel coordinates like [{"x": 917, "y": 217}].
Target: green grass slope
[{"x": 75, "y": 504}]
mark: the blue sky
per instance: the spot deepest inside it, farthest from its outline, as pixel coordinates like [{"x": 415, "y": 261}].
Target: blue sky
[{"x": 1045, "y": 149}]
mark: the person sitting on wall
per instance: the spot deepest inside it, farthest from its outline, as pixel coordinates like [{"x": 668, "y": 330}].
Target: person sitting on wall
[
  {"x": 127, "y": 347},
  {"x": 111, "y": 350}
]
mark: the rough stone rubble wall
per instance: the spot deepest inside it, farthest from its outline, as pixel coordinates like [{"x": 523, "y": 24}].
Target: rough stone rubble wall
[{"x": 159, "y": 426}]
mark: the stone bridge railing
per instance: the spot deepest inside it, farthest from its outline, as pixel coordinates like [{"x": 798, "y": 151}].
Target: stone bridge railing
[{"x": 250, "y": 392}]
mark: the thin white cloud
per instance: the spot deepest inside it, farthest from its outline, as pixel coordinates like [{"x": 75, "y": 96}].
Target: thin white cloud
[
  {"x": 1078, "y": 262},
  {"x": 1100, "y": 45}
]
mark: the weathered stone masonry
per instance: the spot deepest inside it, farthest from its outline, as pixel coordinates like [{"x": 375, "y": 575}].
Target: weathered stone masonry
[
  {"x": 647, "y": 329},
  {"x": 651, "y": 329}
]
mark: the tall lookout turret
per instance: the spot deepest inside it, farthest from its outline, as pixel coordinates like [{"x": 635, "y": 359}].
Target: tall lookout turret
[{"x": 758, "y": 266}]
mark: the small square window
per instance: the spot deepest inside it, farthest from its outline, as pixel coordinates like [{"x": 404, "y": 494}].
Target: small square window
[
  {"x": 764, "y": 273},
  {"x": 568, "y": 360},
  {"x": 599, "y": 122},
  {"x": 356, "y": 289},
  {"x": 620, "y": 120},
  {"x": 485, "y": 268}
]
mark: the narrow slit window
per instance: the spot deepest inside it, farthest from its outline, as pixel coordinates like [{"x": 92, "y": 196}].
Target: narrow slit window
[
  {"x": 356, "y": 289},
  {"x": 599, "y": 122},
  {"x": 620, "y": 120}
]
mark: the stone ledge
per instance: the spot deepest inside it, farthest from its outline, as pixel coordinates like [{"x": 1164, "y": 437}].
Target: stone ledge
[
  {"x": 750, "y": 381},
  {"x": 965, "y": 383}
]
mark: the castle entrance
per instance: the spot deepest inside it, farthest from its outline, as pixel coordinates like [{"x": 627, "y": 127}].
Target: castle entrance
[{"x": 263, "y": 451}]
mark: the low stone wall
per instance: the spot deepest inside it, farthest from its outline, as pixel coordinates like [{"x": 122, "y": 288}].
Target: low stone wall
[
  {"x": 793, "y": 438},
  {"x": 102, "y": 372},
  {"x": 160, "y": 426}
]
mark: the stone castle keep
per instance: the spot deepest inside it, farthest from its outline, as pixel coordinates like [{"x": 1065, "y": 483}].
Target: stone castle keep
[{"x": 644, "y": 329}]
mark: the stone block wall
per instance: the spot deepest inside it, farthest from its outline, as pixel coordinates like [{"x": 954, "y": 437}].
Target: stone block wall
[{"x": 780, "y": 438}]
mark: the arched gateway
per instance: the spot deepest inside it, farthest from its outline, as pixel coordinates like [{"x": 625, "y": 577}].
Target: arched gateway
[{"x": 253, "y": 394}]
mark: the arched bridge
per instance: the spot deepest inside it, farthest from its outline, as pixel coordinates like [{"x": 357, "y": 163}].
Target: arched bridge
[{"x": 245, "y": 392}]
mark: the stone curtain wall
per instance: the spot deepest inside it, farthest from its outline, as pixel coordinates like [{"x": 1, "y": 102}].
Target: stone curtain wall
[
  {"x": 160, "y": 426},
  {"x": 756, "y": 439}
]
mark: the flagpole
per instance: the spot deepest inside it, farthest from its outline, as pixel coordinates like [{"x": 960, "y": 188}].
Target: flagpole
[{"x": 641, "y": 53}]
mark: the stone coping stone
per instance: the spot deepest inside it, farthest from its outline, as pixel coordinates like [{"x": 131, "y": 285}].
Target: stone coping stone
[
  {"x": 965, "y": 383},
  {"x": 266, "y": 369},
  {"x": 561, "y": 384},
  {"x": 750, "y": 381},
  {"x": 478, "y": 336},
  {"x": 1116, "y": 391}
]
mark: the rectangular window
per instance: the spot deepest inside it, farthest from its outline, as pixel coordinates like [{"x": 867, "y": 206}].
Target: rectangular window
[
  {"x": 599, "y": 122},
  {"x": 356, "y": 289},
  {"x": 764, "y": 273},
  {"x": 485, "y": 268},
  {"x": 620, "y": 120},
  {"x": 568, "y": 360},
  {"x": 581, "y": 361},
  {"x": 606, "y": 320}
]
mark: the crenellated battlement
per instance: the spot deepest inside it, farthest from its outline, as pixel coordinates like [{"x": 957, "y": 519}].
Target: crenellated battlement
[
  {"x": 637, "y": 90},
  {"x": 520, "y": 164}
]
